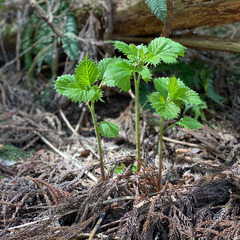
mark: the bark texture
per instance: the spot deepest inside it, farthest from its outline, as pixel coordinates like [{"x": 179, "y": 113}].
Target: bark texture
[
  {"x": 134, "y": 18},
  {"x": 193, "y": 41}
]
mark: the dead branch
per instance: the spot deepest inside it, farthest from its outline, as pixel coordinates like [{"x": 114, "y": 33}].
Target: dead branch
[{"x": 47, "y": 17}]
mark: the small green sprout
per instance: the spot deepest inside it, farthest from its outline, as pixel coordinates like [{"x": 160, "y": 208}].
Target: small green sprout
[
  {"x": 171, "y": 94},
  {"x": 136, "y": 66},
  {"x": 120, "y": 168},
  {"x": 81, "y": 87}
]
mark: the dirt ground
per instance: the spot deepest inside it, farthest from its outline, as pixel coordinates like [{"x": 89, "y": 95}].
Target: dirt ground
[{"x": 56, "y": 193}]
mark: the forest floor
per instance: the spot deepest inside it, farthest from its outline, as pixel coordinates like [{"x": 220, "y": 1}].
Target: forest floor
[{"x": 55, "y": 191}]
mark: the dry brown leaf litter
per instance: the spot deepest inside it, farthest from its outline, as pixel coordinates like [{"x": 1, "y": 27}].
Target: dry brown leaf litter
[{"x": 60, "y": 199}]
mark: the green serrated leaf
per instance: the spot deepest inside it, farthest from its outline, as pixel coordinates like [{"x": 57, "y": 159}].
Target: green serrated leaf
[
  {"x": 155, "y": 97},
  {"x": 152, "y": 59},
  {"x": 98, "y": 94},
  {"x": 172, "y": 93},
  {"x": 129, "y": 50},
  {"x": 145, "y": 73},
  {"x": 179, "y": 91},
  {"x": 86, "y": 72},
  {"x": 189, "y": 123},
  {"x": 134, "y": 51},
  {"x": 108, "y": 129},
  {"x": 103, "y": 64},
  {"x": 62, "y": 83},
  {"x": 158, "y": 7},
  {"x": 69, "y": 87},
  {"x": 77, "y": 94},
  {"x": 189, "y": 96},
  {"x": 161, "y": 85},
  {"x": 142, "y": 50},
  {"x": 119, "y": 74},
  {"x": 164, "y": 49},
  {"x": 173, "y": 88},
  {"x": 167, "y": 109}
]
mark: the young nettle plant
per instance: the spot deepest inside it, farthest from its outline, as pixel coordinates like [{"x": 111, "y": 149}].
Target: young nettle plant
[
  {"x": 171, "y": 94},
  {"x": 139, "y": 59},
  {"x": 81, "y": 87}
]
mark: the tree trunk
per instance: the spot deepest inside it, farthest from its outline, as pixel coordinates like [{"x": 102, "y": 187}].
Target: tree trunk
[{"x": 134, "y": 18}]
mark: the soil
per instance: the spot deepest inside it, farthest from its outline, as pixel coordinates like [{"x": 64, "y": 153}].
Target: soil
[{"x": 57, "y": 193}]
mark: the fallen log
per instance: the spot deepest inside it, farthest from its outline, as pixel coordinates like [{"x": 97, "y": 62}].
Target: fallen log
[
  {"x": 193, "y": 41},
  {"x": 134, "y": 18}
]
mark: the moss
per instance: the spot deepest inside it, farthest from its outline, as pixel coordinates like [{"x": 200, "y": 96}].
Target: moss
[{"x": 12, "y": 153}]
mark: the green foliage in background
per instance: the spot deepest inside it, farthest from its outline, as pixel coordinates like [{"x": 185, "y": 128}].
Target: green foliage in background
[
  {"x": 158, "y": 7},
  {"x": 71, "y": 45},
  {"x": 38, "y": 29},
  {"x": 35, "y": 30}
]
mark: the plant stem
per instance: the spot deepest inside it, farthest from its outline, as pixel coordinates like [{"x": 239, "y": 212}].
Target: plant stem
[
  {"x": 143, "y": 105},
  {"x": 138, "y": 146},
  {"x": 160, "y": 155},
  {"x": 170, "y": 126},
  {"x": 100, "y": 154}
]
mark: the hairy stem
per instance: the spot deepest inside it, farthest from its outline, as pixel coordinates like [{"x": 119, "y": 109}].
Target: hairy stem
[
  {"x": 137, "y": 111},
  {"x": 100, "y": 154},
  {"x": 160, "y": 155}
]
